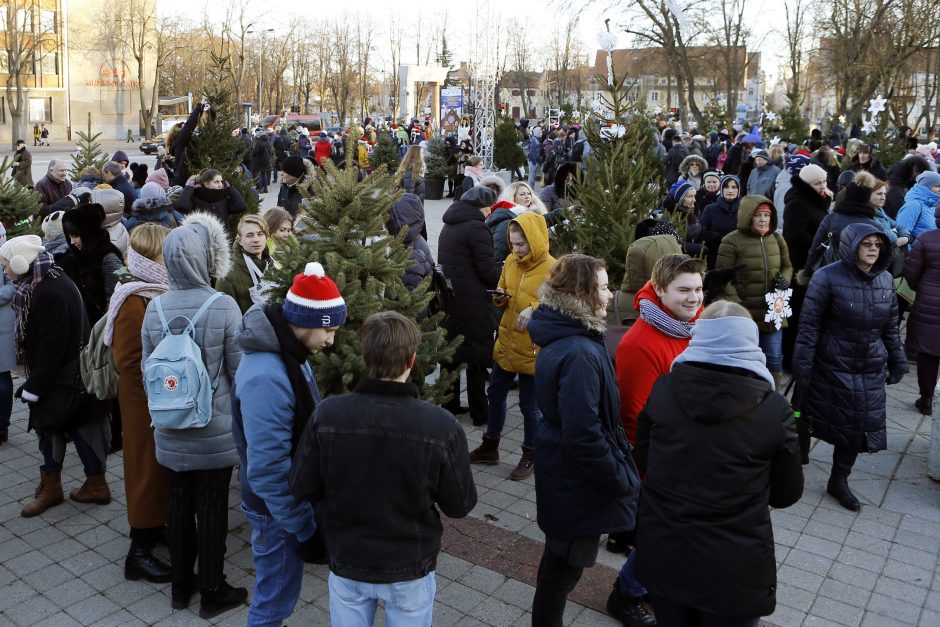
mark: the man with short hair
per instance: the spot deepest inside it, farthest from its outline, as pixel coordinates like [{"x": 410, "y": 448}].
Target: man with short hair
[
  {"x": 23, "y": 165},
  {"x": 53, "y": 186},
  {"x": 113, "y": 175},
  {"x": 293, "y": 174},
  {"x": 275, "y": 394},
  {"x": 378, "y": 464}
]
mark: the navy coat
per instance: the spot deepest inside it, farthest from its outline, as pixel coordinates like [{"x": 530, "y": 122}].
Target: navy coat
[
  {"x": 586, "y": 482},
  {"x": 922, "y": 272},
  {"x": 847, "y": 342}
]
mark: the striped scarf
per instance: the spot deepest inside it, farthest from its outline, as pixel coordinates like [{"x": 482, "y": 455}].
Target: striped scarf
[
  {"x": 651, "y": 313},
  {"x": 44, "y": 266},
  {"x": 152, "y": 281}
]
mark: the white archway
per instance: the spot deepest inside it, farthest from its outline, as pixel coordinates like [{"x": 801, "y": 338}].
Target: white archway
[{"x": 408, "y": 75}]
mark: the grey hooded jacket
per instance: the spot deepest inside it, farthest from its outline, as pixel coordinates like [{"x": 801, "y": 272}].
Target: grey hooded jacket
[{"x": 194, "y": 254}]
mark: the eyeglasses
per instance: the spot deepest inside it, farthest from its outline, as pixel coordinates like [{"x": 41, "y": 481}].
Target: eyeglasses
[{"x": 867, "y": 244}]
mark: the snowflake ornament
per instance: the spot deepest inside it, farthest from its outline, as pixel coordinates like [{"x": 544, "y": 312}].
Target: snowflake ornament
[
  {"x": 771, "y": 116},
  {"x": 657, "y": 110},
  {"x": 869, "y": 127},
  {"x": 778, "y": 307},
  {"x": 877, "y": 105},
  {"x": 607, "y": 41}
]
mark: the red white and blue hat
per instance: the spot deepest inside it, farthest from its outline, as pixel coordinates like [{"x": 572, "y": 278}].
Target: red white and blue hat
[{"x": 314, "y": 301}]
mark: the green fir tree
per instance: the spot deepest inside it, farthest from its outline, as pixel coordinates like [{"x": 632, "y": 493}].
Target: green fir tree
[
  {"x": 435, "y": 164},
  {"x": 89, "y": 153},
  {"x": 507, "y": 153},
  {"x": 621, "y": 183},
  {"x": 385, "y": 153},
  {"x": 18, "y": 205},
  {"x": 346, "y": 233}
]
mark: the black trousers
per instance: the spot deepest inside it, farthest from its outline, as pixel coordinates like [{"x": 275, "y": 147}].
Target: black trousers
[
  {"x": 672, "y": 614},
  {"x": 927, "y": 368},
  {"x": 197, "y": 525},
  {"x": 563, "y": 562},
  {"x": 842, "y": 461}
]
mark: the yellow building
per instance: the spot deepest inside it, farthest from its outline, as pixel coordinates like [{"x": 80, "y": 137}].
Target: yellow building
[{"x": 78, "y": 68}]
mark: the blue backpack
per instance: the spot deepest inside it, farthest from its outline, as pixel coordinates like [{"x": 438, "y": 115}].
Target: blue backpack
[{"x": 179, "y": 391}]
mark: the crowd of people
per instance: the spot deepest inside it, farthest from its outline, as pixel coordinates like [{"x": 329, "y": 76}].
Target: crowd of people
[{"x": 686, "y": 406}]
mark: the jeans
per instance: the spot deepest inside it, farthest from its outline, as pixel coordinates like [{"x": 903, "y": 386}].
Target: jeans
[
  {"x": 6, "y": 401},
  {"x": 772, "y": 345},
  {"x": 672, "y": 614},
  {"x": 626, "y": 581},
  {"x": 91, "y": 443},
  {"x": 279, "y": 571},
  {"x": 533, "y": 166},
  {"x": 500, "y": 382},
  {"x": 407, "y": 603}
]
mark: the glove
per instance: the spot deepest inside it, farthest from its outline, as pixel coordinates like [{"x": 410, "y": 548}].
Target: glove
[
  {"x": 313, "y": 550},
  {"x": 781, "y": 283},
  {"x": 801, "y": 278},
  {"x": 894, "y": 378}
]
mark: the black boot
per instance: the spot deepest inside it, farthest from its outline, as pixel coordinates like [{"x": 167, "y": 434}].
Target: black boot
[
  {"x": 141, "y": 563},
  {"x": 628, "y": 610},
  {"x": 924, "y": 405},
  {"x": 221, "y": 599},
  {"x": 620, "y": 542},
  {"x": 838, "y": 486},
  {"x": 182, "y": 594}
]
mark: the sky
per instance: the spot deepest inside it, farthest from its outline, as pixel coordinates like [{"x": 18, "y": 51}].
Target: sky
[{"x": 765, "y": 16}]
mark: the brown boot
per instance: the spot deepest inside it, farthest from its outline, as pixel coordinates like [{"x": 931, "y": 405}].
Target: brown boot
[
  {"x": 94, "y": 490},
  {"x": 487, "y": 452},
  {"x": 777, "y": 385},
  {"x": 526, "y": 465},
  {"x": 48, "y": 494}
]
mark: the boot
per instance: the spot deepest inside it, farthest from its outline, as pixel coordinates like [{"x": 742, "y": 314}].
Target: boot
[
  {"x": 48, "y": 494},
  {"x": 838, "y": 486},
  {"x": 141, "y": 563},
  {"x": 924, "y": 405},
  {"x": 487, "y": 452},
  {"x": 628, "y": 610},
  {"x": 526, "y": 465},
  {"x": 222, "y": 599},
  {"x": 94, "y": 490},
  {"x": 777, "y": 385},
  {"x": 181, "y": 593}
]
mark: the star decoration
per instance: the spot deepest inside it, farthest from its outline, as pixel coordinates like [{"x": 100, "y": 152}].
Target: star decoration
[
  {"x": 778, "y": 307},
  {"x": 877, "y": 105},
  {"x": 869, "y": 127}
]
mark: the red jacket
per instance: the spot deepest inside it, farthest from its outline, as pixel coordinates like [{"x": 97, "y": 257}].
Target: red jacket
[
  {"x": 644, "y": 354},
  {"x": 322, "y": 150}
]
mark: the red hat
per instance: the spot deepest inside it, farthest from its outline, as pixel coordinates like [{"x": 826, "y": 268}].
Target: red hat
[{"x": 314, "y": 301}]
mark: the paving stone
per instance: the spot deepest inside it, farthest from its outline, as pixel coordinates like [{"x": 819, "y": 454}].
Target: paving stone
[
  {"x": 918, "y": 541},
  {"x": 861, "y": 559},
  {"x": 913, "y": 556},
  {"x": 908, "y": 573},
  {"x": 451, "y": 567},
  {"x": 854, "y": 576},
  {"x": 93, "y": 608},
  {"x": 837, "y": 611},
  {"x": 59, "y": 619},
  {"x": 825, "y": 531},
  {"x": 901, "y": 590},
  {"x": 591, "y": 618},
  {"x": 929, "y": 618},
  {"x": 884, "y": 605},
  {"x": 799, "y": 578},
  {"x": 515, "y": 593},
  {"x": 870, "y": 544},
  {"x": 443, "y": 615},
  {"x": 876, "y": 620},
  {"x": 122, "y": 618},
  {"x": 844, "y": 592},
  {"x": 84, "y": 562},
  {"x": 794, "y": 597},
  {"x": 494, "y": 612},
  {"x": 105, "y": 577},
  {"x": 26, "y": 563},
  {"x": 151, "y": 609},
  {"x": 69, "y": 593},
  {"x": 31, "y": 611},
  {"x": 459, "y": 597},
  {"x": 819, "y": 546},
  {"x": 482, "y": 580},
  {"x": 785, "y": 615},
  {"x": 808, "y": 561}
]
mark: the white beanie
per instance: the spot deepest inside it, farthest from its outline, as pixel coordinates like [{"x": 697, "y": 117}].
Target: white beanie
[
  {"x": 52, "y": 225},
  {"x": 21, "y": 252},
  {"x": 812, "y": 173}
]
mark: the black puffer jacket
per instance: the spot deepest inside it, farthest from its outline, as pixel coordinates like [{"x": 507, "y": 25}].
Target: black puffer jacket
[
  {"x": 803, "y": 212},
  {"x": 853, "y": 208},
  {"x": 848, "y": 339},
  {"x": 465, "y": 249},
  {"x": 922, "y": 271},
  {"x": 408, "y": 213},
  {"x": 718, "y": 446},
  {"x": 901, "y": 177},
  {"x": 221, "y": 203}
]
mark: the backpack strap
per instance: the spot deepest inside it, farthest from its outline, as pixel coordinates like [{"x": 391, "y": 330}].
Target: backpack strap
[
  {"x": 192, "y": 321},
  {"x": 163, "y": 321}
]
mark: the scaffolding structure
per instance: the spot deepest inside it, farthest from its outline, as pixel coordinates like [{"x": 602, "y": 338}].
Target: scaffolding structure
[{"x": 483, "y": 69}]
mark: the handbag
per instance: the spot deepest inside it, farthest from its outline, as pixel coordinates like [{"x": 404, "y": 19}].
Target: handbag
[
  {"x": 898, "y": 257},
  {"x": 615, "y": 332}
]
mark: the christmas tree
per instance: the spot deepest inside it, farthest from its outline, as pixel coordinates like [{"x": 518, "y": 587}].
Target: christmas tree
[
  {"x": 89, "y": 153},
  {"x": 17, "y": 203},
  {"x": 214, "y": 146},
  {"x": 435, "y": 165},
  {"x": 346, "y": 227},
  {"x": 621, "y": 183},
  {"x": 507, "y": 153},
  {"x": 385, "y": 153}
]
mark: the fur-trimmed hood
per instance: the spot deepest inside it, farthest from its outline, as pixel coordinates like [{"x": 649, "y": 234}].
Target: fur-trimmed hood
[
  {"x": 688, "y": 161},
  {"x": 151, "y": 206},
  {"x": 561, "y": 315},
  {"x": 197, "y": 252}
]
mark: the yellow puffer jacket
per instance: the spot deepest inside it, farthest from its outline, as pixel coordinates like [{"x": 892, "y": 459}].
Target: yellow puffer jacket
[{"x": 521, "y": 279}]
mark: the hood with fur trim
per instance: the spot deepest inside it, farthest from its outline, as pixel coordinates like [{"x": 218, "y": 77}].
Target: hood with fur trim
[
  {"x": 150, "y": 206},
  {"x": 197, "y": 252},
  {"x": 688, "y": 161},
  {"x": 562, "y": 315}
]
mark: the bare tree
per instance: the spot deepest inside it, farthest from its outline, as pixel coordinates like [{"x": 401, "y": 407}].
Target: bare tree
[
  {"x": 562, "y": 57},
  {"x": 394, "y": 41},
  {"x": 365, "y": 33},
  {"x": 28, "y": 38},
  {"x": 519, "y": 51},
  {"x": 796, "y": 44},
  {"x": 340, "y": 66},
  {"x": 731, "y": 37}
]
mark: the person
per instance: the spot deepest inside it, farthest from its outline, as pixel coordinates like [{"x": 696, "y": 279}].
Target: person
[
  {"x": 36, "y": 135},
  {"x": 113, "y": 176},
  {"x": 251, "y": 258},
  {"x": 865, "y": 160},
  {"x": 807, "y": 204},
  {"x": 276, "y": 341},
  {"x": 410, "y": 173},
  {"x": 561, "y": 193},
  {"x": 130, "y": 137},
  {"x": 262, "y": 153},
  {"x": 7, "y": 347},
  {"x": 794, "y": 164},
  {"x": 51, "y": 327},
  {"x": 465, "y": 250},
  {"x": 179, "y": 144},
  {"x": 682, "y": 208},
  {"x": 473, "y": 174},
  {"x": 717, "y": 446},
  {"x": 23, "y": 165},
  {"x": 53, "y": 238},
  {"x": 760, "y": 259},
  {"x": 902, "y": 176},
  {"x": 586, "y": 482},
  {"x": 514, "y": 353},
  {"x": 918, "y": 213},
  {"x": 53, "y": 186},
  {"x": 673, "y": 159},
  {"x": 516, "y": 199},
  {"x": 650, "y": 244},
  {"x": 922, "y": 273},
  {"x": 721, "y": 218},
  {"x": 691, "y": 170},
  {"x": 708, "y": 192},
  {"x": 381, "y": 454},
  {"x": 847, "y": 347},
  {"x": 534, "y": 155},
  {"x": 144, "y": 478},
  {"x": 199, "y": 462},
  {"x": 763, "y": 176},
  {"x": 899, "y": 235},
  {"x": 280, "y": 226},
  {"x": 296, "y": 173},
  {"x": 211, "y": 194},
  {"x": 322, "y": 149},
  {"x": 407, "y": 213},
  {"x": 92, "y": 259},
  {"x": 44, "y": 135},
  {"x": 153, "y": 207}
]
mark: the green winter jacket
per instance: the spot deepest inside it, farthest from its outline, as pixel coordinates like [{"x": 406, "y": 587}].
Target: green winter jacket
[
  {"x": 238, "y": 281},
  {"x": 641, "y": 257},
  {"x": 764, "y": 259}
]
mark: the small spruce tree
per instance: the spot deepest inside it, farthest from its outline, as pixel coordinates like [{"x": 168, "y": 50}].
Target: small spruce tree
[
  {"x": 89, "y": 153},
  {"x": 435, "y": 165},
  {"x": 385, "y": 153},
  {"x": 346, "y": 233},
  {"x": 18, "y": 204},
  {"x": 621, "y": 183},
  {"x": 507, "y": 153}
]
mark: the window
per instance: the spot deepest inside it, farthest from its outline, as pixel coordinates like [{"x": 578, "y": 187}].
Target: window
[
  {"x": 47, "y": 21},
  {"x": 3, "y": 18},
  {"x": 516, "y": 92},
  {"x": 24, "y": 20},
  {"x": 49, "y": 64},
  {"x": 3, "y": 110},
  {"x": 4, "y": 65},
  {"x": 654, "y": 96},
  {"x": 40, "y": 109}
]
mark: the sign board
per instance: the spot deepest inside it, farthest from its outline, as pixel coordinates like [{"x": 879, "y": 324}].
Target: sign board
[{"x": 451, "y": 107}]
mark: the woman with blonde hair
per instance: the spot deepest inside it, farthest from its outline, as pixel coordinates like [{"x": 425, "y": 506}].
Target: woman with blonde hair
[
  {"x": 250, "y": 258},
  {"x": 515, "y": 200},
  {"x": 144, "y": 478},
  {"x": 280, "y": 223},
  {"x": 522, "y": 195},
  {"x": 411, "y": 172}
]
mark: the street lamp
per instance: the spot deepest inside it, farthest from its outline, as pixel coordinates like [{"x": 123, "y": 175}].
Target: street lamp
[{"x": 260, "y": 52}]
